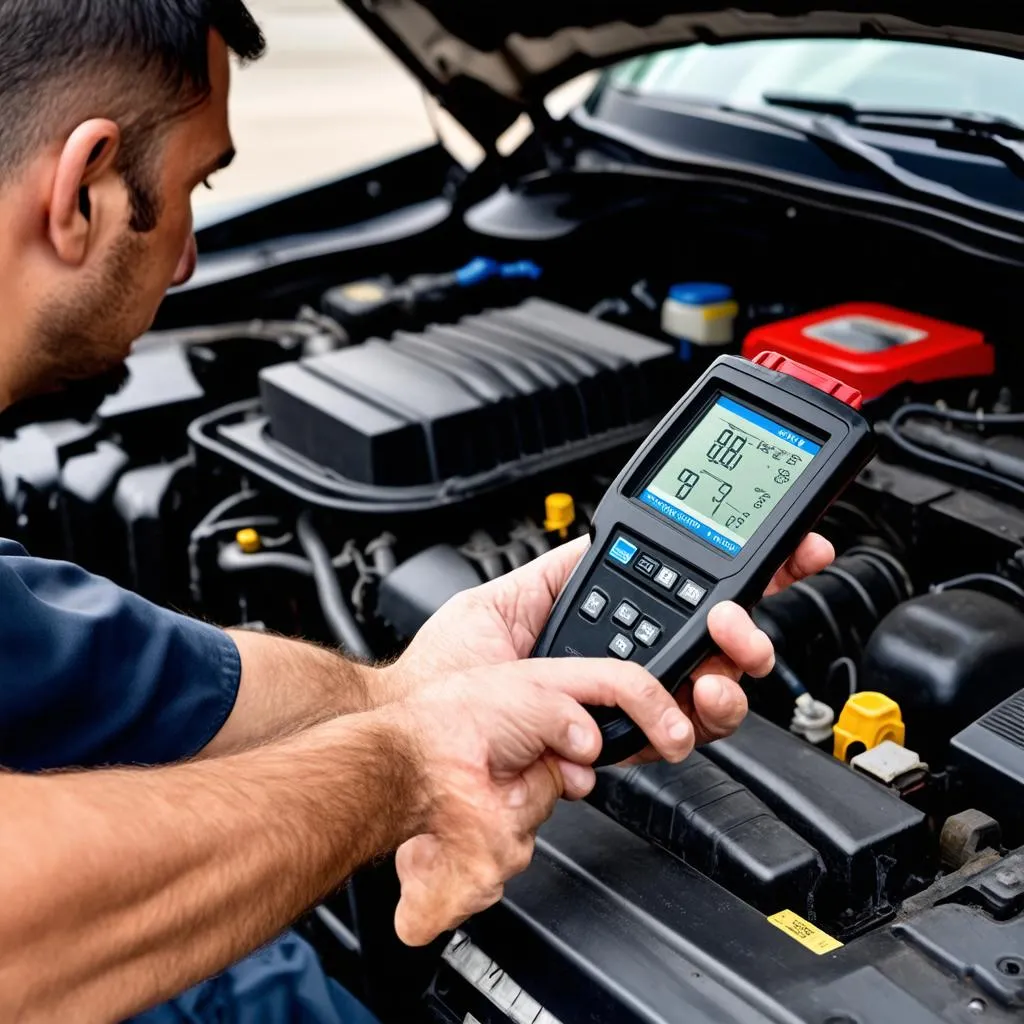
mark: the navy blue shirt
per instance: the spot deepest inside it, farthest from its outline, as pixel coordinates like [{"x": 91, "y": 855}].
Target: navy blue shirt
[{"x": 93, "y": 675}]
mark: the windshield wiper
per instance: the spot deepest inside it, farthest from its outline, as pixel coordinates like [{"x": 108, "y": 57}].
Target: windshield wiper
[
  {"x": 983, "y": 134},
  {"x": 833, "y": 138}
]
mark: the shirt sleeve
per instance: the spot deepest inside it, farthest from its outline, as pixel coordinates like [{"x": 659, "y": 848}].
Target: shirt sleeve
[{"x": 93, "y": 675}]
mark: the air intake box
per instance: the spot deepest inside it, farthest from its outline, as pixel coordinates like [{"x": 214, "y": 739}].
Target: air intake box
[
  {"x": 990, "y": 752},
  {"x": 462, "y": 400}
]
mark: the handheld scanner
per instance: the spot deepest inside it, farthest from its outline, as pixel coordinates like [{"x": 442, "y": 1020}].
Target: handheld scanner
[{"x": 707, "y": 510}]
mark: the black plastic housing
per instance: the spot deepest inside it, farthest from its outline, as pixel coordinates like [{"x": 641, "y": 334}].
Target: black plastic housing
[
  {"x": 847, "y": 442},
  {"x": 866, "y": 834},
  {"x": 946, "y": 659},
  {"x": 991, "y": 753},
  {"x": 698, "y": 812},
  {"x": 411, "y": 593},
  {"x": 607, "y": 928}
]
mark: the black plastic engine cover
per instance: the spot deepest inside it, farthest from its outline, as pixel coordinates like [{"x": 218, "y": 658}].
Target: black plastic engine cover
[{"x": 463, "y": 400}]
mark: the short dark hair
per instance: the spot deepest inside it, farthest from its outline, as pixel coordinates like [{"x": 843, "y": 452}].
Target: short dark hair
[{"x": 139, "y": 62}]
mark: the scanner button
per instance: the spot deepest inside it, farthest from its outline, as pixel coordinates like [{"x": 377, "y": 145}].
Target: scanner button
[
  {"x": 666, "y": 577},
  {"x": 622, "y": 551},
  {"x": 647, "y": 565},
  {"x": 692, "y": 593},
  {"x": 621, "y": 646},
  {"x": 647, "y": 633},
  {"x": 593, "y": 607},
  {"x": 626, "y": 615}
]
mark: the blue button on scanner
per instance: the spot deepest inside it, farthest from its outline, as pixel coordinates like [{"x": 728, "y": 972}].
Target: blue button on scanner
[{"x": 622, "y": 551}]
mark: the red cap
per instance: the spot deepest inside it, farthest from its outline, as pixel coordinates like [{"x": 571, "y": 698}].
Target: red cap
[{"x": 822, "y": 381}]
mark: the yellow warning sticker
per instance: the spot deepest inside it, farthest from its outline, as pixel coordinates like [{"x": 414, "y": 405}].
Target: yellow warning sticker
[{"x": 804, "y": 932}]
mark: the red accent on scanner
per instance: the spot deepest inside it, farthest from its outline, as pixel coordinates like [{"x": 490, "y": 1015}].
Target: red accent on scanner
[{"x": 822, "y": 381}]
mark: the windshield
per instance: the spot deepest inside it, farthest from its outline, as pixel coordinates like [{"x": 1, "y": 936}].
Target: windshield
[{"x": 864, "y": 72}]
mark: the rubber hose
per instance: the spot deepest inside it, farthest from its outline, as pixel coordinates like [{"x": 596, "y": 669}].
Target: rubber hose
[
  {"x": 337, "y": 614},
  {"x": 230, "y": 559},
  {"x": 844, "y": 603}
]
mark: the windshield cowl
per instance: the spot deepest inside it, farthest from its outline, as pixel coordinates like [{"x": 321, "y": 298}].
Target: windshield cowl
[{"x": 869, "y": 109}]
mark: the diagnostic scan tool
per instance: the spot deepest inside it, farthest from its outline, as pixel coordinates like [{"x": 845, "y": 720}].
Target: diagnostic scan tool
[{"x": 707, "y": 510}]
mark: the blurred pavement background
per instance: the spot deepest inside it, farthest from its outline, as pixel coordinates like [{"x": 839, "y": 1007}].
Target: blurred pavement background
[{"x": 326, "y": 99}]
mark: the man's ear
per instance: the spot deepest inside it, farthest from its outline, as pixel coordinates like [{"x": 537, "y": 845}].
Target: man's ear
[{"x": 89, "y": 153}]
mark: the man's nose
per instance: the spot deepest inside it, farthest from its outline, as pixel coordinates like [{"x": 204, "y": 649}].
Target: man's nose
[{"x": 187, "y": 264}]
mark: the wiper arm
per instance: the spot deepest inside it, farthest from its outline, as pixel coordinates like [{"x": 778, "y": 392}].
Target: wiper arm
[
  {"x": 833, "y": 139},
  {"x": 984, "y": 134},
  {"x": 964, "y": 121}
]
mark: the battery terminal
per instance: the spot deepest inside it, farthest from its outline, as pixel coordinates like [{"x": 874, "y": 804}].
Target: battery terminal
[{"x": 867, "y": 720}]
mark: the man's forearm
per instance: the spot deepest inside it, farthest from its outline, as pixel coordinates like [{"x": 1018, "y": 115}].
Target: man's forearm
[
  {"x": 288, "y": 686},
  {"x": 123, "y": 888}
]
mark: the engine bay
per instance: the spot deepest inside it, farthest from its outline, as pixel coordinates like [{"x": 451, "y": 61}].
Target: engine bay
[{"x": 334, "y": 459}]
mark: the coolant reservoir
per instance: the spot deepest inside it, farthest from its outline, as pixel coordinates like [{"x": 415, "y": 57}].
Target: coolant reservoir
[{"x": 699, "y": 313}]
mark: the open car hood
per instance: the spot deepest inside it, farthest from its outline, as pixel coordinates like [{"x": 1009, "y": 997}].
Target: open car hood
[{"x": 488, "y": 61}]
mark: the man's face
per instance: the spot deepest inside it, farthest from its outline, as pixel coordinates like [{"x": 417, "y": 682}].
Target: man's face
[{"x": 87, "y": 328}]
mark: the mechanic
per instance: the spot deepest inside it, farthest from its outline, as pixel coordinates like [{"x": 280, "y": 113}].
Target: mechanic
[{"x": 175, "y": 794}]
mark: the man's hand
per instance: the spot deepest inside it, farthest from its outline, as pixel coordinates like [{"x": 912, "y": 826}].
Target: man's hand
[
  {"x": 498, "y": 747},
  {"x": 500, "y": 622}
]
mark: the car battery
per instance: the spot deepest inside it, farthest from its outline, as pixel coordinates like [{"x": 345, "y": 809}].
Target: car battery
[{"x": 876, "y": 348}]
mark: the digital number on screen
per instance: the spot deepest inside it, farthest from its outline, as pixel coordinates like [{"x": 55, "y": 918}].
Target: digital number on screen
[{"x": 728, "y": 474}]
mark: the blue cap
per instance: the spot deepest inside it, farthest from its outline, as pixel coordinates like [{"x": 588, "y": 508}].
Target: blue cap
[
  {"x": 700, "y": 293},
  {"x": 482, "y": 269},
  {"x": 476, "y": 272},
  {"x": 525, "y": 269}
]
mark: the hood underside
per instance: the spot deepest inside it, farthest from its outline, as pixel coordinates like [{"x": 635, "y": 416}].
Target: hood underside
[{"x": 487, "y": 62}]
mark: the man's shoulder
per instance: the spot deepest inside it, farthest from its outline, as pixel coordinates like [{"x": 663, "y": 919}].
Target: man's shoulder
[{"x": 11, "y": 549}]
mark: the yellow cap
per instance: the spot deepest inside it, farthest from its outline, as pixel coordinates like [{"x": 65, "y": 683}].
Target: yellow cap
[
  {"x": 249, "y": 541},
  {"x": 869, "y": 719},
  {"x": 560, "y": 513}
]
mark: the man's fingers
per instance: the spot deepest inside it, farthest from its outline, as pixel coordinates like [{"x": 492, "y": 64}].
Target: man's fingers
[
  {"x": 578, "y": 780},
  {"x": 719, "y": 706},
  {"x": 813, "y": 555},
  {"x": 531, "y": 796},
  {"x": 524, "y": 598},
  {"x": 610, "y": 683},
  {"x": 560, "y": 722},
  {"x": 715, "y": 703},
  {"x": 748, "y": 647},
  {"x": 554, "y": 568},
  {"x": 550, "y": 572}
]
